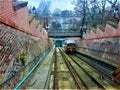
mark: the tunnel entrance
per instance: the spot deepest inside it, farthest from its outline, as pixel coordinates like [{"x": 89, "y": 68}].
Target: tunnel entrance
[{"x": 58, "y": 42}]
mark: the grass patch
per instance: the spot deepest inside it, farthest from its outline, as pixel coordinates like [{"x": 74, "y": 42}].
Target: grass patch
[
  {"x": 31, "y": 16},
  {"x": 101, "y": 27},
  {"x": 113, "y": 24},
  {"x": 91, "y": 29},
  {"x": 21, "y": 57}
]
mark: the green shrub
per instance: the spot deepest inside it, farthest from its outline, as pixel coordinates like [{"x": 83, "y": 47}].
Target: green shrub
[
  {"x": 93, "y": 29},
  {"x": 101, "y": 27},
  {"x": 115, "y": 25},
  {"x": 21, "y": 57}
]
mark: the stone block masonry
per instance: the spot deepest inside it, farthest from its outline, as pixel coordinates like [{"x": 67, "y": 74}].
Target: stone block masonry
[
  {"x": 18, "y": 37},
  {"x": 19, "y": 18},
  {"x": 104, "y": 44},
  {"x": 13, "y": 43}
]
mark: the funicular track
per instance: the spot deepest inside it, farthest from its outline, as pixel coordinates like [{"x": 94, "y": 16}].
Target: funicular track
[
  {"x": 91, "y": 77},
  {"x": 62, "y": 76},
  {"x": 95, "y": 74},
  {"x": 72, "y": 71},
  {"x": 105, "y": 67},
  {"x": 55, "y": 86},
  {"x": 88, "y": 81}
]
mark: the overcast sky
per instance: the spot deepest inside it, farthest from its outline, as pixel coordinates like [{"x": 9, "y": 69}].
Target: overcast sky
[{"x": 61, "y": 4}]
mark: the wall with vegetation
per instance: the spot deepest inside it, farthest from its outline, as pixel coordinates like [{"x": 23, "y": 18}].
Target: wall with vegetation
[
  {"x": 17, "y": 49},
  {"x": 22, "y": 41},
  {"x": 103, "y": 43}
]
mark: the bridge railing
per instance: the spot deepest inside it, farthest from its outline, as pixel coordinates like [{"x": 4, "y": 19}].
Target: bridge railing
[{"x": 64, "y": 33}]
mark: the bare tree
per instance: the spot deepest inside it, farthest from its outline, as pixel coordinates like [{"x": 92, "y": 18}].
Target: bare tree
[
  {"x": 82, "y": 9},
  {"x": 94, "y": 12},
  {"x": 115, "y": 9},
  {"x": 43, "y": 9},
  {"x": 103, "y": 6}
]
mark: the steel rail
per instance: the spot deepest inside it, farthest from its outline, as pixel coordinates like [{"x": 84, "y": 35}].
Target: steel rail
[
  {"x": 72, "y": 71},
  {"x": 88, "y": 73},
  {"x": 102, "y": 70},
  {"x": 55, "y": 86}
]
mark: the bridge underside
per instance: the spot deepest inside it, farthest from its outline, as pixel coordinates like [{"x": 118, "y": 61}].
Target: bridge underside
[{"x": 64, "y": 34}]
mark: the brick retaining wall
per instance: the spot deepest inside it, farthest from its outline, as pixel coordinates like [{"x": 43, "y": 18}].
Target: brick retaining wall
[
  {"x": 14, "y": 42},
  {"x": 105, "y": 44}
]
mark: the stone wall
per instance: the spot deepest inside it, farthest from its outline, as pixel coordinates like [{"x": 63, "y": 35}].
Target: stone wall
[
  {"x": 19, "y": 18},
  {"x": 108, "y": 48},
  {"x": 14, "y": 43},
  {"x": 16, "y": 18},
  {"x": 21, "y": 40},
  {"x": 104, "y": 44}
]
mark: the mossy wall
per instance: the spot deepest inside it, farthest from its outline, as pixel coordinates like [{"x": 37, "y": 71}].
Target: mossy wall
[
  {"x": 103, "y": 43},
  {"x": 16, "y": 50},
  {"x": 108, "y": 48}
]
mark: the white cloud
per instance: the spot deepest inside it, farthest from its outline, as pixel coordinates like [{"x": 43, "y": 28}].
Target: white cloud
[{"x": 61, "y": 4}]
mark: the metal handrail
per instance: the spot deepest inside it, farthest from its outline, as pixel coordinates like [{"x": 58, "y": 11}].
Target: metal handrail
[
  {"x": 10, "y": 78},
  {"x": 29, "y": 73}
]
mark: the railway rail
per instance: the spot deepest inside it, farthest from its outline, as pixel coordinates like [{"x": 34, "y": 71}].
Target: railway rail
[
  {"x": 92, "y": 76},
  {"x": 55, "y": 86},
  {"x": 72, "y": 71},
  {"x": 104, "y": 67},
  {"x": 62, "y": 77},
  {"x": 95, "y": 74}
]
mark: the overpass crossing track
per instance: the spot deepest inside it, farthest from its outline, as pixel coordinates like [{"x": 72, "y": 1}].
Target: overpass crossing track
[{"x": 65, "y": 33}]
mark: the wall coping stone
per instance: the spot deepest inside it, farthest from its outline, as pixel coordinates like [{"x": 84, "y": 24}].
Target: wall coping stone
[{"x": 19, "y": 4}]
